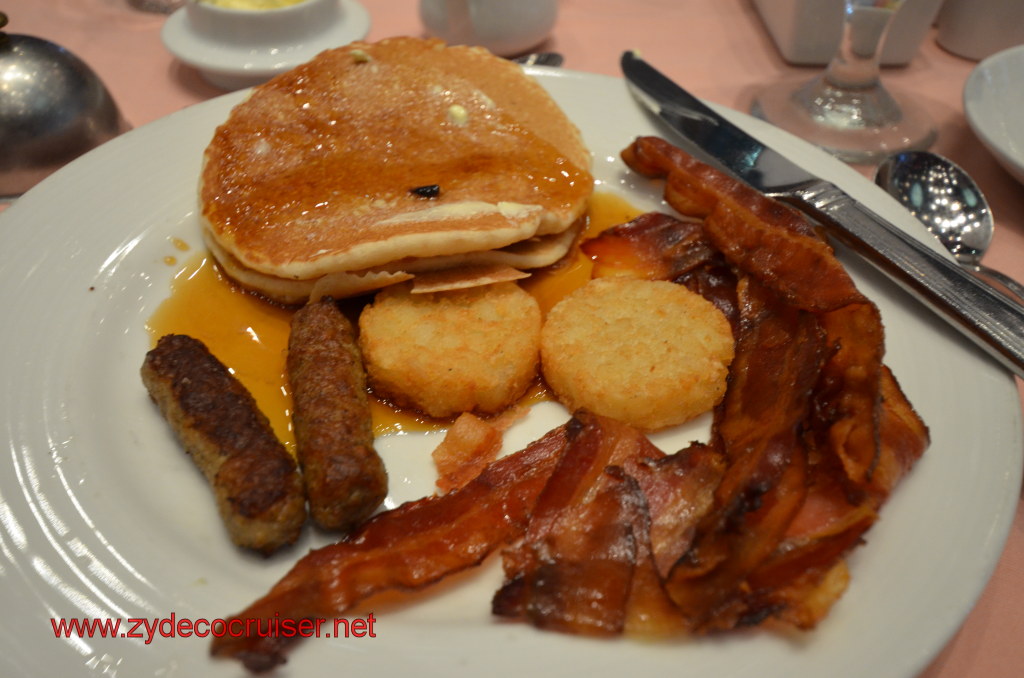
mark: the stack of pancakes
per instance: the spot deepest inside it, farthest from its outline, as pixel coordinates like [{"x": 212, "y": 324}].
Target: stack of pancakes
[{"x": 377, "y": 163}]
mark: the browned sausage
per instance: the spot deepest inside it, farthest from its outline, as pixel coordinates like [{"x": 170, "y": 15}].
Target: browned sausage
[
  {"x": 345, "y": 478},
  {"x": 255, "y": 481}
]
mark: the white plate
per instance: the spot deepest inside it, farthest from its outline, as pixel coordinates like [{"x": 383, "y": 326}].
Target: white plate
[
  {"x": 103, "y": 516},
  {"x": 234, "y": 63},
  {"x": 993, "y": 100}
]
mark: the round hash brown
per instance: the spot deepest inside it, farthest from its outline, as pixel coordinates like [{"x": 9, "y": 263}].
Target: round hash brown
[
  {"x": 445, "y": 353},
  {"x": 649, "y": 353}
]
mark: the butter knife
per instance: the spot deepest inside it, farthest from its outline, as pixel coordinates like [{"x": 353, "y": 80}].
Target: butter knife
[{"x": 984, "y": 315}]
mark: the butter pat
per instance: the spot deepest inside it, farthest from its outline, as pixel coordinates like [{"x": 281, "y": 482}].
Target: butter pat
[{"x": 458, "y": 115}]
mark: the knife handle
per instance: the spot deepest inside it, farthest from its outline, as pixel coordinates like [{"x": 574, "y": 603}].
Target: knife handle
[
  {"x": 1000, "y": 281},
  {"x": 992, "y": 320}
]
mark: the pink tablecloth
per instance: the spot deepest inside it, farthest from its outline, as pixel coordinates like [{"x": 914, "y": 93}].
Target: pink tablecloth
[{"x": 721, "y": 51}]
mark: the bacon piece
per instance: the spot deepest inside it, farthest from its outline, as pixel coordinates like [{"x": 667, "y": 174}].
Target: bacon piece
[
  {"x": 800, "y": 580},
  {"x": 469, "y": 445},
  {"x": 757, "y": 234},
  {"x": 654, "y": 246},
  {"x": 658, "y": 246},
  {"x": 680, "y": 490},
  {"x": 847, "y": 398},
  {"x": 802, "y": 602},
  {"x": 650, "y": 612},
  {"x": 779, "y": 355},
  {"x": 904, "y": 438},
  {"x": 579, "y": 575},
  {"x": 573, "y": 570},
  {"x": 406, "y": 548}
]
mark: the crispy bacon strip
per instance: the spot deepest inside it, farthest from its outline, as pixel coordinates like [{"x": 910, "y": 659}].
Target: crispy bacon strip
[
  {"x": 801, "y": 602},
  {"x": 847, "y": 397},
  {"x": 577, "y": 577},
  {"x": 680, "y": 490},
  {"x": 760, "y": 236},
  {"x": 406, "y": 548},
  {"x": 658, "y": 246},
  {"x": 573, "y": 569},
  {"x": 904, "y": 438},
  {"x": 654, "y": 246},
  {"x": 650, "y": 612},
  {"x": 779, "y": 355},
  {"x": 800, "y": 580}
]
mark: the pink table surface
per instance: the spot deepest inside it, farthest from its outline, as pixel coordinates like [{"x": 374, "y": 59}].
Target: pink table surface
[{"x": 720, "y": 51}]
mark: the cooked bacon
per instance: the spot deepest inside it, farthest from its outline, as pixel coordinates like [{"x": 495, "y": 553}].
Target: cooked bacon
[
  {"x": 576, "y": 578},
  {"x": 904, "y": 438},
  {"x": 848, "y": 394},
  {"x": 573, "y": 569},
  {"x": 800, "y": 603},
  {"x": 657, "y": 246},
  {"x": 778, "y": 357},
  {"x": 469, "y": 445},
  {"x": 756, "y": 234},
  {"x": 802, "y": 578},
  {"x": 406, "y": 548},
  {"x": 680, "y": 490}
]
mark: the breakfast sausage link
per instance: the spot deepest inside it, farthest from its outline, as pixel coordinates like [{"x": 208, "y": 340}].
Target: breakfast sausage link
[
  {"x": 255, "y": 481},
  {"x": 344, "y": 477}
]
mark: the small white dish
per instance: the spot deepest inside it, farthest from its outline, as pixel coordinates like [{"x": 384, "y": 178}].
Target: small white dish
[
  {"x": 503, "y": 27},
  {"x": 238, "y": 48},
  {"x": 993, "y": 100}
]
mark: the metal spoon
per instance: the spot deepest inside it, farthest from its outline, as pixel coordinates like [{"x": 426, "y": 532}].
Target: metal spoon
[{"x": 950, "y": 205}]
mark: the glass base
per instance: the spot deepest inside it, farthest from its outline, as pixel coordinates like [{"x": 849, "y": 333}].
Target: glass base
[{"x": 857, "y": 125}]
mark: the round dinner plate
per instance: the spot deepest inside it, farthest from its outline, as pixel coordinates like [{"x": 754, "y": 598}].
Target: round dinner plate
[{"x": 102, "y": 516}]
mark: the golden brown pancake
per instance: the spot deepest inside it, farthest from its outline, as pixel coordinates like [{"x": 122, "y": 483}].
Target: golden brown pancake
[
  {"x": 528, "y": 254},
  {"x": 317, "y": 172}
]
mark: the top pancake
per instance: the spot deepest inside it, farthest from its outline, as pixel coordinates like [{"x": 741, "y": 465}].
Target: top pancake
[{"x": 313, "y": 173}]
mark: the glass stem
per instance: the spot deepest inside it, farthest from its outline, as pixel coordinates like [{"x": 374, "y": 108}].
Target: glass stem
[{"x": 856, "y": 62}]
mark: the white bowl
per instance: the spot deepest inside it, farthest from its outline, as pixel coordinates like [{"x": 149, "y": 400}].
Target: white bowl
[
  {"x": 237, "y": 48},
  {"x": 505, "y": 27},
  {"x": 993, "y": 101}
]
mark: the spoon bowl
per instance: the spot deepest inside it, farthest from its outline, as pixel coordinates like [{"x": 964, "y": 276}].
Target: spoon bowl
[{"x": 950, "y": 205}]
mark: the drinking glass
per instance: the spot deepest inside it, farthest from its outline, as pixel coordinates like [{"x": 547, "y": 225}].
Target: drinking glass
[{"x": 846, "y": 110}]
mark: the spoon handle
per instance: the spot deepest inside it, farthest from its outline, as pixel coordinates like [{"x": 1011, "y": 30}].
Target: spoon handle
[{"x": 1000, "y": 281}]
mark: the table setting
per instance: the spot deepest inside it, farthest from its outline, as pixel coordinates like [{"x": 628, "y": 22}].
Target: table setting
[{"x": 99, "y": 522}]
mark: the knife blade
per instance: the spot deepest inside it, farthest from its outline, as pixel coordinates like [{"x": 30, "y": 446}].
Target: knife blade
[{"x": 987, "y": 317}]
